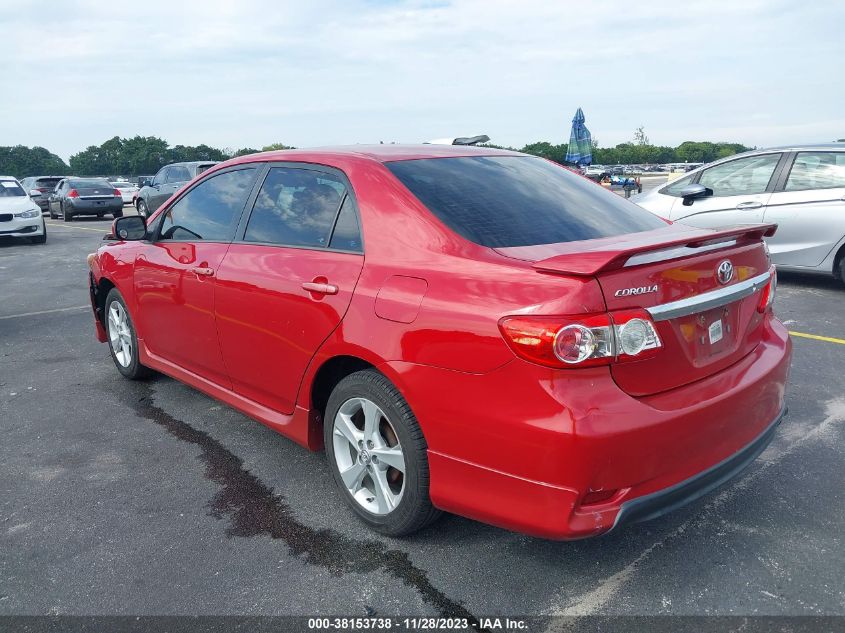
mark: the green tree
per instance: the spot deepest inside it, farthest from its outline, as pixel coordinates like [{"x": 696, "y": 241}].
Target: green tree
[
  {"x": 276, "y": 146},
  {"x": 21, "y": 161}
]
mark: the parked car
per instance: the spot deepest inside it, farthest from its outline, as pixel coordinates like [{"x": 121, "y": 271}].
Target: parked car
[
  {"x": 39, "y": 189},
  {"x": 165, "y": 183},
  {"x": 597, "y": 173},
  {"x": 799, "y": 188},
  {"x": 127, "y": 190},
  {"x": 20, "y": 216},
  {"x": 85, "y": 196},
  {"x": 518, "y": 346}
]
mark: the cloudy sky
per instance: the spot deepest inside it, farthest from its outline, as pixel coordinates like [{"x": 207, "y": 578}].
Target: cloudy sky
[{"x": 246, "y": 73}]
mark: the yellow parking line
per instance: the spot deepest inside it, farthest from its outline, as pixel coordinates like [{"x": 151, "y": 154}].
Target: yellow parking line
[
  {"x": 81, "y": 228},
  {"x": 816, "y": 337}
]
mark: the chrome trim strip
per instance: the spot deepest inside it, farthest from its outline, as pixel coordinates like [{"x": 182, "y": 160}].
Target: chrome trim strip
[
  {"x": 708, "y": 300},
  {"x": 675, "y": 253}
]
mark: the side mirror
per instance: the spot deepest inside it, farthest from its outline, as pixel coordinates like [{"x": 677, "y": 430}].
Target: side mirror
[
  {"x": 691, "y": 193},
  {"x": 146, "y": 182},
  {"x": 129, "y": 228}
]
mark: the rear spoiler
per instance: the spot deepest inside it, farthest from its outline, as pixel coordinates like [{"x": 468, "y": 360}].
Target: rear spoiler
[{"x": 614, "y": 253}]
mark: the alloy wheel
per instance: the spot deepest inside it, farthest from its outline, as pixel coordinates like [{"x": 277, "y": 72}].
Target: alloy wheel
[
  {"x": 368, "y": 456},
  {"x": 120, "y": 335}
]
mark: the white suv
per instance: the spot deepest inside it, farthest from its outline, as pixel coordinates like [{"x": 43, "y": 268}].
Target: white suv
[
  {"x": 799, "y": 188},
  {"x": 19, "y": 215}
]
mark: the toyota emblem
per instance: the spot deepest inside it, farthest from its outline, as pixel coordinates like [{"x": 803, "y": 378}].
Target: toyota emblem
[{"x": 725, "y": 272}]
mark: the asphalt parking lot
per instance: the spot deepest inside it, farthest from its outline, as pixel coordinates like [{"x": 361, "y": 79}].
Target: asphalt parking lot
[{"x": 150, "y": 498}]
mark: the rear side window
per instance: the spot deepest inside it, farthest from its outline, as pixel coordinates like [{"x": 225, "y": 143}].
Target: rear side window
[
  {"x": 211, "y": 210},
  {"x": 740, "y": 177},
  {"x": 817, "y": 170},
  {"x": 295, "y": 207},
  {"x": 502, "y": 201},
  {"x": 347, "y": 233},
  {"x": 178, "y": 173}
]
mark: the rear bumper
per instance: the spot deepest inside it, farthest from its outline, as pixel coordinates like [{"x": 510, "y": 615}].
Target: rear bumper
[
  {"x": 94, "y": 207},
  {"x": 567, "y": 454},
  {"x": 662, "y": 502}
]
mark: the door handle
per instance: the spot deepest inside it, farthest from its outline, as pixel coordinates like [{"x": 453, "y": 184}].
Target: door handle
[
  {"x": 749, "y": 205},
  {"x": 320, "y": 289},
  {"x": 204, "y": 272}
]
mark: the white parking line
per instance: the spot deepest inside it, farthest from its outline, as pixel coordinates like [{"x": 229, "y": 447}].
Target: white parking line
[{"x": 28, "y": 314}]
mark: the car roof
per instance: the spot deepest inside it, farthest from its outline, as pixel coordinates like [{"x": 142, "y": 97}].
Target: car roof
[
  {"x": 381, "y": 153},
  {"x": 193, "y": 162}
]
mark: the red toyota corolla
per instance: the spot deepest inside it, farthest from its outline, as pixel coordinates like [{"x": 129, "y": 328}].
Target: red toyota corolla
[{"x": 463, "y": 329}]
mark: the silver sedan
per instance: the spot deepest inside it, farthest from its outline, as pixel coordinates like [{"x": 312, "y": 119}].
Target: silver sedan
[{"x": 799, "y": 188}]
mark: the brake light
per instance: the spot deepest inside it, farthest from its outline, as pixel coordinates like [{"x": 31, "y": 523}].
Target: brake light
[
  {"x": 73, "y": 193},
  {"x": 585, "y": 341},
  {"x": 767, "y": 294},
  {"x": 117, "y": 193}
]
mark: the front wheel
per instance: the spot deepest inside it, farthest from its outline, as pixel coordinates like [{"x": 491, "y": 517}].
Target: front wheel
[
  {"x": 40, "y": 239},
  {"x": 66, "y": 217},
  {"x": 142, "y": 209},
  {"x": 117, "y": 214},
  {"x": 123, "y": 342},
  {"x": 377, "y": 454}
]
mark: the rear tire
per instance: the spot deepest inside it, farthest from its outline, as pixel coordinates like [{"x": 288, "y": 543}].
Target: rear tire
[
  {"x": 66, "y": 217},
  {"x": 123, "y": 341},
  {"x": 397, "y": 437},
  {"x": 842, "y": 268}
]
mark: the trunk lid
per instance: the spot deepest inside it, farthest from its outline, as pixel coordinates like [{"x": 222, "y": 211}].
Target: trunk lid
[{"x": 705, "y": 323}]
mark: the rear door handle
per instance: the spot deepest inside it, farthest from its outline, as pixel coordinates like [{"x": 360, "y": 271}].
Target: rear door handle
[
  {"x": 320, "y": 289},
  {"x": 749, "y": 205},
  {"x": 205, "y": 272}
]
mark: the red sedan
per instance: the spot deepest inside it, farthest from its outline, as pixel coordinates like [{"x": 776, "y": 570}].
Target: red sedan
[{"x": 463, "y": 329}]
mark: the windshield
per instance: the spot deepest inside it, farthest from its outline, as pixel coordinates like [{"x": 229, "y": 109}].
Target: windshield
[
  {"x": 10, "y": 189},
  {"x": 504, "y": 201},
  {"x": 91, "y": 183}
]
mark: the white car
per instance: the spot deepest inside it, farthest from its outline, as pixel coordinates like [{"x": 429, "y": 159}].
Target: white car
[
  {"x": 799, "y": 188},
  {"x": 19, "y": 215},
  {"x": 127, "y": 190}
]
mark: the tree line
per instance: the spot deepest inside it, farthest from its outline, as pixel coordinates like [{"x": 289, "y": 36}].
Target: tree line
[{"x": 145, "y": 155}]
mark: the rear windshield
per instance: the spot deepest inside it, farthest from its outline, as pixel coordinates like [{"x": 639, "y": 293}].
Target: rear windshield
[
  {"x": 91, "y": 183},
  {"x": 47, "y": 182},
  {"x": 205, "y": 167},
  {"x": 10, "y": 189},
  {"x": 123, "y": 185},
  {"x": 502, "y": 201}
]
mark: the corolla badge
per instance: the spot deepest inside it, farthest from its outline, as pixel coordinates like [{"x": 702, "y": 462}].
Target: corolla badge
[
  {"x": 725, "y": 271},
  {"x": 641, "y": 290}
]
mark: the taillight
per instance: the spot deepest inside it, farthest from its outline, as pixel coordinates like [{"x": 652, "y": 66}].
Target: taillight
[
  {"x": 767, "y": 294},
  {"x": 73, "y": 193},
  {"x": 584, "y": 341},
  {"x": 117, "y": 193}
]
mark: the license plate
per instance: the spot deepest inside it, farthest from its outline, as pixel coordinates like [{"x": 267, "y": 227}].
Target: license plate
[{"x": 715, "y": 331}]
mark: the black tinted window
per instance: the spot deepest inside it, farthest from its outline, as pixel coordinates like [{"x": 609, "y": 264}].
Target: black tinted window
[
  {"x": 295, "y": 207},
  {"x": 92, "y": 183},
  {"x": 502, "y": 201},
  {"x": 178, "y": 173},
  {"x": 347, "y": 234},
  {"x": 47, "y": 183},
  {"x": 211, "y": 210}
]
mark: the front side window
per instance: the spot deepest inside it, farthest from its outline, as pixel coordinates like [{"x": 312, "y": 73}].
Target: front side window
[
  {"x": 178, "y": 173},
  {"x": 504, "y": 201},
  {"x": 817, "y": 170},
  {"x": 675, "y": 188},
  {"x": 295, "y": 207},
  {"x": 740, "y": 177},
  {"x": 160, "y": 176},
  {"x": 211, "y": 210}
]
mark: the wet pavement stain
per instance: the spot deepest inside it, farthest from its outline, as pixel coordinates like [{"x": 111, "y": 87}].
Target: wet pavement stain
[{"x": 254, "y": 509}]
